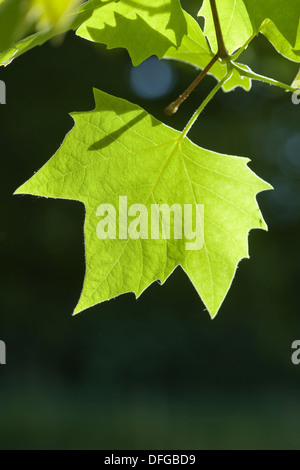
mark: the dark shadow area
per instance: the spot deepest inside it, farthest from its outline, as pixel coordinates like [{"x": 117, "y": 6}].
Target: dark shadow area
[{"x": 106, "y": 141}]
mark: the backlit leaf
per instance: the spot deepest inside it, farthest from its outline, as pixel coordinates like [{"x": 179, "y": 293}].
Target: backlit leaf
[{"x": 118, "y": 150}]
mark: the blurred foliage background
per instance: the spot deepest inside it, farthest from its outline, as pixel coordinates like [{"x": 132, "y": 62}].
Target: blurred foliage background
[
  {"x": 20, "y": 18},
  {"x": 155, "y": 373}
]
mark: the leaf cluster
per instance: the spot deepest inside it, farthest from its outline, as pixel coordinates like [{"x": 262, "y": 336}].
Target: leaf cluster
[{"x": 119, "y": 149}]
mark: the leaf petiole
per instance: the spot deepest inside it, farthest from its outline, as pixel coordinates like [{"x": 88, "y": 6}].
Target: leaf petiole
[
  {"x": 262, "y": 78},
  {"x": 205, "y": 103},
  {"x": 173, "y": 107}
]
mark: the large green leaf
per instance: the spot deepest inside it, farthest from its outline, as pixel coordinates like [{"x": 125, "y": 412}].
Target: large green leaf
[
  {"x": 144, "y": 28},
  {"x": 195, "y": 51},
  {"x": 278, "y": 20},
  {"x": 118, "y": 150}
]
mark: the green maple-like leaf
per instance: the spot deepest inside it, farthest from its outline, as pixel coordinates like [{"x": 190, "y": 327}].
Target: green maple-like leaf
[
  {"x": 194, "y": 50},
  {"x": 120, "y": 150},
  {"x": 144, "y": 28},
  {"x": 278, "y": 20}
]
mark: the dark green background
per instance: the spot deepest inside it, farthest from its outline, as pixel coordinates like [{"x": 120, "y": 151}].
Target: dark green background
[{"x": 155, "y": 373}]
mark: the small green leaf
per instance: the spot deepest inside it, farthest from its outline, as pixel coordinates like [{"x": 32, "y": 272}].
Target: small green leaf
[
  {"x": 194, "y": 50},
  {"x": 281, "y": 44},
  {"x": 278, "y": 20},
  {"x": 144, "y": 28},
  {"x": 118, "y": 150},
  {"x": 296, "y": 82}
]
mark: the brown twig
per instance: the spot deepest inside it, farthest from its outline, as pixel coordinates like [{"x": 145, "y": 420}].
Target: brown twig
[
  {"x": 222, "y": 51},
  {"x": 221, "y": 54},
  {"x": 173, "y": 107}
]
